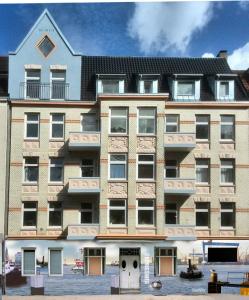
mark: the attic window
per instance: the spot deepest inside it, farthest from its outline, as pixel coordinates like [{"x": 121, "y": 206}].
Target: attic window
[{"x": 46, "y": 46}]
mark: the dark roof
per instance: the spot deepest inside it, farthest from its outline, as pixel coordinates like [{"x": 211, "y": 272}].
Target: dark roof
[
  {"x": 165, "y": 66},
  {"x": 4, "y": 65}
]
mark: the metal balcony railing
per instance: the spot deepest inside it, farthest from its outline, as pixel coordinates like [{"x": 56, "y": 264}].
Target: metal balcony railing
[{"x": 44, "y": 91}]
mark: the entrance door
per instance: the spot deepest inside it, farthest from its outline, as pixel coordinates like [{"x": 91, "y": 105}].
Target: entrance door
[{"x": 129, "y": 272}]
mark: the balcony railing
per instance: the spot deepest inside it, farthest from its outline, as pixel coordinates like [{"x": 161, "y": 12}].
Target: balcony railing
[
  {"x": 84, "y": 140},
  {"x": 82, "y": 231},
  {"x": 44, "y": 91},
  {"x": 178, "y": 186},
  {"x": 84, "y": 185},
  {"x": 179, "y": 141},
  {"x": 176, "y": 232}
]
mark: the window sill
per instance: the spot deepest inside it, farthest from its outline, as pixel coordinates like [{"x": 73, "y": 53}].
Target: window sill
[
  {"x": 31, "y": 228},
  {"x": 145, "y": 227},
  {"x": 227, "y": 228},
  {"x": 51, "y": 183},
  {"x": 57, "y": 140},
  {"x": 59, "y": 228},
  {"x": 31, "y": 139},
  {"x": 118, "y": 134},
  {"x": 145, "y": 180},
  {"x": 202, "y": 228},
  {"x": 146, "y": 134},
  {"x": 116, "y": 227},
  {"x": 227, "y": 184},
  {"x": 202, "y": 141},
  {"x": 227, "y": 141},
  {"x": 35, "y": 183},
  {"x": 118, "y": 180},
  {"x": 206, "y": 184}
]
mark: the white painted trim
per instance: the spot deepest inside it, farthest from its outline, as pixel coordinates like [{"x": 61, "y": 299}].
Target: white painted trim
[{"x": 57, "y": 249}]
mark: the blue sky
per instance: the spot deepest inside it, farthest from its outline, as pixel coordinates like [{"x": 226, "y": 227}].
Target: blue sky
[{"x": 138, "y": 29}]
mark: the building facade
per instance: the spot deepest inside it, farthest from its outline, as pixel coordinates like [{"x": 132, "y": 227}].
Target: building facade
[{"x": 123, "y": 160}]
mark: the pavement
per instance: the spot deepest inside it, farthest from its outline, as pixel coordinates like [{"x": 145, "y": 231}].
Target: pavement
[{"x": 131, "y": 297}]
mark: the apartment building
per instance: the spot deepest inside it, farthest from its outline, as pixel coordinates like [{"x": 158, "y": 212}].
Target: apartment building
[{"x": 128, "y": 159}]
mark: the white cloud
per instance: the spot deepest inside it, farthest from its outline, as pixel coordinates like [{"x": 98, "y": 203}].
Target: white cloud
[
  {"x": 162, "y": 26},
  {"x": 208, "y": 55},
  {"x": 239, "y": 59}
]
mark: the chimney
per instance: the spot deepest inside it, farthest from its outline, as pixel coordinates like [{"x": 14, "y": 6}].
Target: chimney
[{"x": 222, "y": 54}]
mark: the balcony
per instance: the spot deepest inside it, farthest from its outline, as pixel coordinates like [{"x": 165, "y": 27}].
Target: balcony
[
  {"x": 79, "y": 141},
  {"x": 178, "y": 141},
  {"x": 84, "y": 185},
  {"x": 176, "y": 232},
  {"x": 82, "y": 231},
  {"x": 44, "y": 91},
  {"x": 178, "y": 186}
]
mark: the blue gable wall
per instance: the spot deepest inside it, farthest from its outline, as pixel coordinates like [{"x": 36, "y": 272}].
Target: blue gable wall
[{"x": 28, "y": 53}]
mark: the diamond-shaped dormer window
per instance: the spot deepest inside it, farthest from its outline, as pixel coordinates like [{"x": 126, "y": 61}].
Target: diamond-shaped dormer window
[{"x": 46, "y": 46}]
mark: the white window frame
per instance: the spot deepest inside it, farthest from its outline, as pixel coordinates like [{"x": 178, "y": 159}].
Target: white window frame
[
  {"x": 86, "y": 210},
  {"x": 124, "y": 162},
  {"x": 230, "y": 124},
  {"x": 146, "y": 163},
  {"x": 49, "y": 259},
  {"x": 176, "y": 211},
  {"x": 118, "y": 117},
  {"x": 228, "y": 167},
  {"x": 57, "y": 79},
  {"x": 150, "y": 208},
  {"x": 27, "y": 165},
  {"x": 206, "y": 210},
  {"x": 26, "y": 78},
  {"x": 224, "y": 210},
  {"x": 154, "y": 83},
  {"x": 81, "y": 122},
  {"x": 146, "y": 117},
  {"x": 31, "y": 122},
  {"x": 195, "y": 96},
  {"x": 56, "y": 165},
  {"x": 94, "y": 165},
  {"x": 177, "y": 123},
  {"x": 231, "y": 89},
  {"x": 23, "y": 250},
  {"x": 55, "y": 209},
  {"x": 123, "y": 208},
  {"x": 203, "y": 123},
  {"x": 57, "y": 122},
  {"x": 176, "y": 167},
  {"x": 120, "y": 85},
  {"x": 200, "y": 166},
  {"x": 29, "y": 209}
]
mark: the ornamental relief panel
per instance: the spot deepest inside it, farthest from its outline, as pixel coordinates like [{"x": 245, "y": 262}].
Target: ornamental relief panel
[
  {"x": 146, "y": 190},
  {"x": 202, "y": 189},
  {"x": 84, "y": 138},
  {"x": 202, "y": 233},
  {"x": 202, "y": 146},
  {"x": 83, "y": 230},
  {"x": 228, "y": 233},
  {"x": 179, "y": 184},
  {"x": 179, "y": 231},
  {"x": 179, "y": 138},
  {"x": 227, "y": 189},
  {"x": 118, "y": 144},
  {"x": 30, "y": 189},
  {"x": 117, "y": 189},
  {"x": 56, "y": 145},
  {"x": 27, "y": 145},
  {"x": 227, "y": 155},
  {"x": 146, "y": 144},
  {"x": 84, "y": 183},
  {"x": 55, "y": 188},
  {"x": 28, "y": 233},
  {"x": 227, "y": 146}
]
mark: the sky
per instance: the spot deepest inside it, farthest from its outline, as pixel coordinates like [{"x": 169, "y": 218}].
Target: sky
[{"x": 189, "y": 29}]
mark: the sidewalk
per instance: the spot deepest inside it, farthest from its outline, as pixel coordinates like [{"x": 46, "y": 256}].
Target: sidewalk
[{"x": 129, "y": 297}]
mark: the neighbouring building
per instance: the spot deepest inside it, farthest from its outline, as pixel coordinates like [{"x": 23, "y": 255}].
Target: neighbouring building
[{"x": 123, "y": 160}]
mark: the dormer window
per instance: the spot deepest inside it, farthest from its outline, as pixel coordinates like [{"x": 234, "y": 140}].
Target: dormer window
[
  {"x": 186, "y": 89},
  {"x": 110, "y": 85},
  {"x": 225, "y": 89},
  {"x": 148, "y": 84}
]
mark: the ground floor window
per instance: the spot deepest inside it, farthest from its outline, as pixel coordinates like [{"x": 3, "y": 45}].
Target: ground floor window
[
  {"x": 94, "y": 261},
  {"x": 28, "y": 262},
  {"x": 165, "y": 261},
  {"x": 55, "y": 265}
]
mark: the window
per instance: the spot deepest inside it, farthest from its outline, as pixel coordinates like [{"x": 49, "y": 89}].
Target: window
[
  {"x": 28, "y": 262},
  {"x": 86, "y": 213},
  {"x": 31, "y": 169},
  {"x": 88, "y": 167},
  {"x": 202, "y": 171},
  {"x": 227, "y": 214},
  {"x": 57, "y": 126},
  {"x": 171, "y": 169},
  {"x": 171, "y": 213},
  {"x": 185, "y": 88},
  {"x": 89, "y": 122},
  {"x": 202, "y": 127},
  {"x": 225, "y": 89},
  {"x": 227, "y": 127},
  {"x": 202, "y": 214},
  {"x": 55, "y": 265},
  {"x": 56, "y": 169},
  {"x": 146, "y": 120},
  {"x": 145, "y": 212},
  {"x": 46, "y": 46},
  {"x": 117, "y": 212},
  {"x": 111, "y": 86},
  {"x": 172, "y": 123},
  {"x": 29, "y": 214},
  {"x": 94, "y": 261},
  {"x": 118, "y": 120},
  {"x": 227, "y": 171},
  {"x": 146, "y": 166},
  {"x": 148, "y": 86},
  {"x": 32, "y": 125},
  {"x": 55, "y": 214},
  {"x": 58, "y": 84},
  {"x": 118, "y": 166},
  {"x": 33, "y": 78}
]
